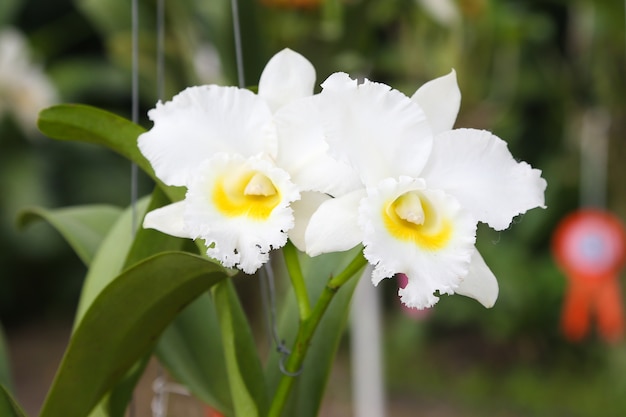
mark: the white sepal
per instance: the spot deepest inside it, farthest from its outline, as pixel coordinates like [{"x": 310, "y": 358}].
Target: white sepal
[
  {"x": 333, "y": 227},
  {"x": 287, "y": 76},
  {"x": 168, "y": 219},
  {"x": 479, "y": 283},
  {"x": 440, "y": 99}
]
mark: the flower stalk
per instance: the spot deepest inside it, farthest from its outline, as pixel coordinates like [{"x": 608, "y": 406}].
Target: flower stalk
[
  {"x": 307, "y": 330},
  {"x": 297, "y": 280}
]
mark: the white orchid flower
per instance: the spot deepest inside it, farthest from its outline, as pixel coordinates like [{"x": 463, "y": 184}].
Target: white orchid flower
[
  {"x": 424, "y": 187},
  {"x": 221, "y": 144},
  {"x": 24, "y": 87}
]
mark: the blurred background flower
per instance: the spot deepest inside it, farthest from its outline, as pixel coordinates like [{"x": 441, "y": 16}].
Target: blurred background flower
[{"x": 24, "y": 88}]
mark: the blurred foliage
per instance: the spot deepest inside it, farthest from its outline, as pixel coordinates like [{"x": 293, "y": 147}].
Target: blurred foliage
[{"x": 528, "y": 71}]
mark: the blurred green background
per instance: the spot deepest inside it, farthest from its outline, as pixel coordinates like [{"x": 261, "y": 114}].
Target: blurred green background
[{"x": 529, "y": 71}]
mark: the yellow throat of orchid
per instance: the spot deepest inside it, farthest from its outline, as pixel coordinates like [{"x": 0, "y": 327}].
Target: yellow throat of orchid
[
  {"x": 251, "y": 194},
  {"x": 411, "y": 217}
]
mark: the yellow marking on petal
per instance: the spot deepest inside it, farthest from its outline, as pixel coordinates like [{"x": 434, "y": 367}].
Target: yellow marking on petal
[
  {"x": 249, "y": 194},
  {"x": 412, "y": 218}
]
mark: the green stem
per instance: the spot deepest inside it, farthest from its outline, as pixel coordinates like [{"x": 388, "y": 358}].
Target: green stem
[
  {"x": 307, "y": 330},
  {"x": 297, "y": 280}
]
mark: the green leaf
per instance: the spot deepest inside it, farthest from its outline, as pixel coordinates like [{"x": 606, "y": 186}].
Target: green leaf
[
  {"x": 8, "y": 406},
  {"x": 121, "y": 250},
  {"x": 82, "y": 123},
  {"x": 83, "y": 227},
  {"x": 126, "y": 244},
  {"x": 245, "y": 374},
  {"x": 191, "y": 350},
  {"x": 5, "y": 368},
  {"x": 120, "y": 396},
  {"x": 110, "y": 258},
  {"x": 122, "y": 324},
  {"x": 308, "y": 392}
]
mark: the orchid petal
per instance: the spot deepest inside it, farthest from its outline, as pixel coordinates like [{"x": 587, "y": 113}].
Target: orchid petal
[
  {"x": 334, "y": 227},
  {"x": 377, "y": 130},
  {"x": 434, "y": 254},
  {"x": 303, "y": 210},
  {"x": 477, "y": 168},
  {"x": 168, "y": 219},
  {"x": 479, "y": 283},
  {"x": 440, "y": 99},
  {"x": 303, "y": 152},
  {"x": 202, "y": 121},
  {"x": 286, "y": 77}
]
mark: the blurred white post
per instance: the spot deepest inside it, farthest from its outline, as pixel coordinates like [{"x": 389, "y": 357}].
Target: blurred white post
[
  {"x": 594, "y": 144},
  {"x": 367, "y": 374}
]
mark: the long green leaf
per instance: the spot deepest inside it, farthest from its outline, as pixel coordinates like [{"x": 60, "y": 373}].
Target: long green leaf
[
  {"x": 111, "y": 257},
  {"x": 199, "y": 355},
  {"x": 82, "y": 123},
  {"x": 120, "y": 250},
  {"x": 245, "y": 374},
  {"x": 8, "y": 406},
  {"x": 83, "y": 227},
  {"x": 122, "y": 324},
  {"x": 191, "y": 349},
  {"x": 308, "y": 393}
]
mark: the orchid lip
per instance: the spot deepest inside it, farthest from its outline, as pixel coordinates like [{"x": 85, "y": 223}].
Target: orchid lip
[
  {"x": 411, "y": 217},
  {"x": 251, "y": 194}
]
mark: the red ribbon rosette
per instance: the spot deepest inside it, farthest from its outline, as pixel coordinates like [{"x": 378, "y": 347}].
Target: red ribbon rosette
[{"x": 590, "y": 247}]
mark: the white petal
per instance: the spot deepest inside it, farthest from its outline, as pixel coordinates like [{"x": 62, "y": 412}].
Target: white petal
[
  {"x": 303, "y": 209},
  {"x": 377, "y": 130},
  {"x": 303, "y": 152},
  {"x": 477, "y": 168},
  {"x": 334, "y": 225},
  {"x": 440, "y": 99},
  {"x": 201, "y": 121},
  {"x": 286, "y": 77},
  {"x": 168, "y": 219},
  {"x": 479, "y": 283},
  {"x": 435, "y": 263},
  {"x": 234, "y": 234}
]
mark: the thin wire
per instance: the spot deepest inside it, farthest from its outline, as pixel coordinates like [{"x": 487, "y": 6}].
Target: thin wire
[
  {"x": 267, "y": 278},
  {"x": 135, "y": 119},
  {"x": 238, "y": 48},
  {"x": 269, "y": 305},
  {"x": 160, "y": 386},
  {"x": 135, "y": 106},
  {"x": 160, "y": 58}
]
